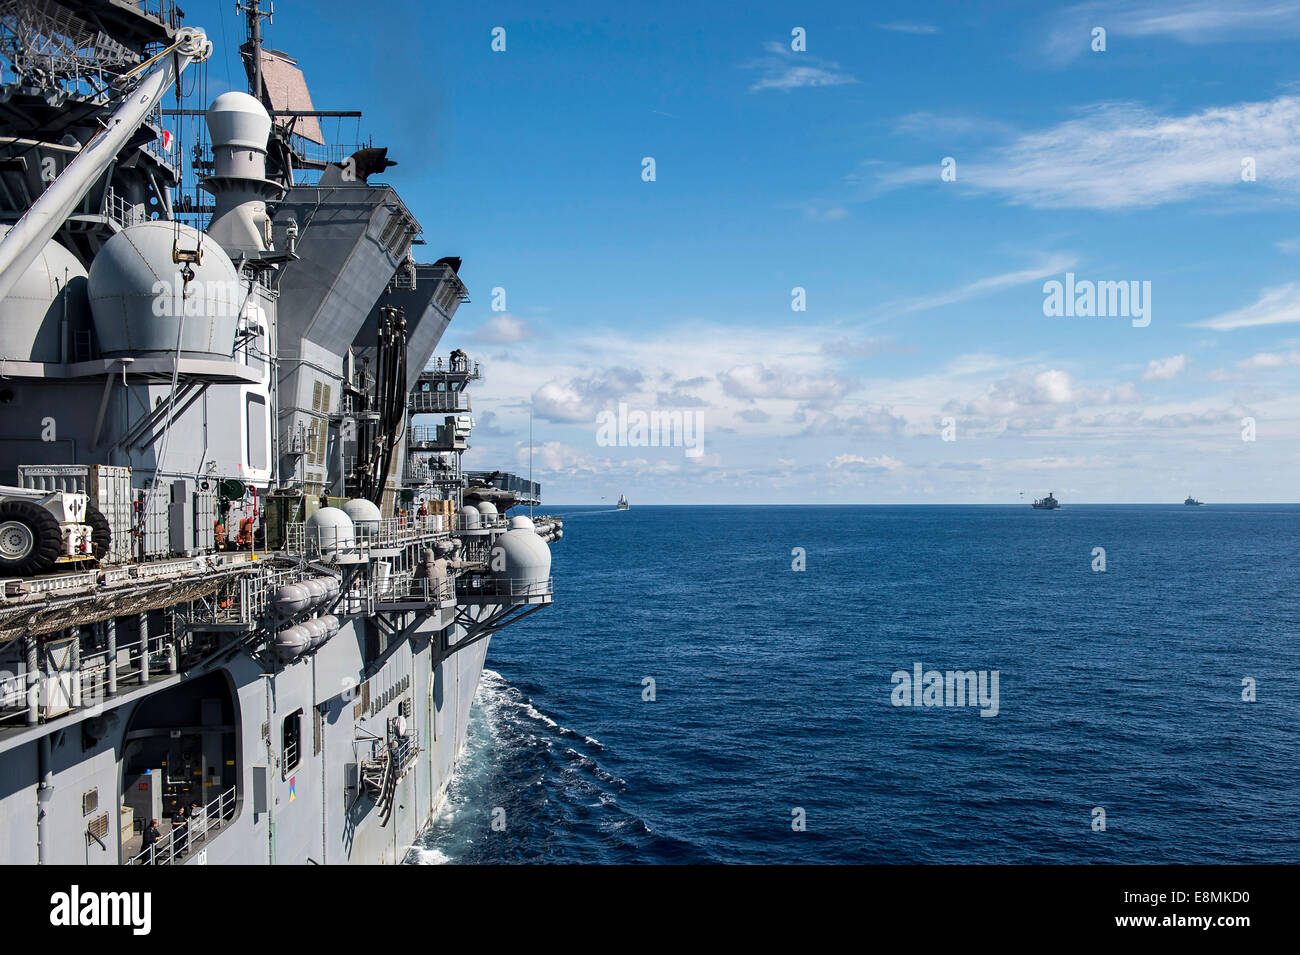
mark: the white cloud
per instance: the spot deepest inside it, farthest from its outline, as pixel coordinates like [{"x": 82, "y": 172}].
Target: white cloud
[
  {"x": 1275, "y": 306},
  {"x": 1163, "y": 369},
  {"x": 820, "y": 213},
  {"x": 880, "y": 462},
  {"x": 503, "y": 329},
  {"x": 552, "y": 457},
  {"x": 1125, "y": 155},
  {"x": 904, "y": 26},
  {"x": 759, "y": 381},
  {"x": 1271, "y": 360},
  {"x": 784, "y": 69},
  {"x": 579, "y": 399},
  {"x": 1188, "y": 21},
  {"x": 1054, "y": 265}
]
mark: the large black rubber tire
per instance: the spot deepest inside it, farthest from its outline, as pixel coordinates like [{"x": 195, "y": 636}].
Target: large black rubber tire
[
  {"x": 47, "y": 539},
  {"x": 101, "y": 535}
]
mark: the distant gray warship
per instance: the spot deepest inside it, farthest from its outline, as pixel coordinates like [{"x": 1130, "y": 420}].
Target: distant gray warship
[
  {"x": 237, "y": 571},
  {"x": 1048, "y": 503}
]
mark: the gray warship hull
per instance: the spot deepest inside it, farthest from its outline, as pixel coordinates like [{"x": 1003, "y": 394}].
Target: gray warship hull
[
  {"x": 309, "y": 815},
  {"x": 246, "y": 585}
]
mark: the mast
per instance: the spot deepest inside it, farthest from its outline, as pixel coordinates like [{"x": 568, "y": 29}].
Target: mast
[{"x": 252, "y": 9}]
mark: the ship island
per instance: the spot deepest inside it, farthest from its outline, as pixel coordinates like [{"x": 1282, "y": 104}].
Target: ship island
[{"x": 246, "y": 584}]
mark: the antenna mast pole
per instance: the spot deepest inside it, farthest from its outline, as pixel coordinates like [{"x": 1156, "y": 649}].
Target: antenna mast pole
[{"x": 252, "y": 9}]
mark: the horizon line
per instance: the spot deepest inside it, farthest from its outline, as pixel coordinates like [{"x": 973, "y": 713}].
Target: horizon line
[{"x": 945, "y": 504}]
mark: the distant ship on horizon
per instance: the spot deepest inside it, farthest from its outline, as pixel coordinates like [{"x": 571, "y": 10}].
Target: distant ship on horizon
[
  {"x": 1048, "y": 503},
  {"x": 623, "y": 505},
  {"x": 1193, "y": 502}
]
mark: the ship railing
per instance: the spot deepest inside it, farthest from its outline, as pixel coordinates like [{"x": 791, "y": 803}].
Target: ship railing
[
  {"x": 241, "y": 602},
  {"x": 180, "y": 843},
  {"x": 480, "y": 524},
  {"x": 486, "y": 586},
  {"x": 442, "y": 437},
  {"x": 423, "y": 474},
  {"x": 132, "y": 657},
  {"x": 396, "y": 531},
  {"x": 118, "y": 209},
  {"x": 460, "y": 366},
  {"x": 67, "y": 682},
  {"x": 289, "y": 759},
  {"x": 387, "y": 534},
  {"x": 405, "y": 749},
  {"x": 432, "y": 402},
  {"x": 407, "y": 588}
]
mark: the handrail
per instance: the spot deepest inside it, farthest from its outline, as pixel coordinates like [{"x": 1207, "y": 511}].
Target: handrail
[{"x": 180, "y": 842}]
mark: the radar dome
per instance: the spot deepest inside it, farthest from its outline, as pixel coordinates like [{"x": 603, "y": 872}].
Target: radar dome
[
  {"x": 470, "y": 517},
  {"x": 524, "y": 561},
  {"x": 139, "y": 298},
  {"x": 488, "y": 511},
  {"x": 365, "y": 515},
  {"x": 36, "y": 305},
  {"x": 521, "y": 522},
  {"x": 328, "y": 530},
  {"x": 237, "y": 119}
]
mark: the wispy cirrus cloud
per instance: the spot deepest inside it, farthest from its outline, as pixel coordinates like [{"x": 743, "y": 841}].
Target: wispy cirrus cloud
[
  {"x": 1053, "y": 265},
  {"x": 909, "y": 26},
  {"x": 1187, "y": 21},
  {"x": 925, "y": 124},
  {"x": 1271, "y": 360},
  {"x": 1115, "y": 156},
  {"x": 1275, "y": 306},
  {"x": 784, "y": 69}
]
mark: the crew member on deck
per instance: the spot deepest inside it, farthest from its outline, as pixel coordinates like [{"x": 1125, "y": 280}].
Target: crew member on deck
[
  {"x": 180, "y": 831},
  {"x": 151, "y": 837}
]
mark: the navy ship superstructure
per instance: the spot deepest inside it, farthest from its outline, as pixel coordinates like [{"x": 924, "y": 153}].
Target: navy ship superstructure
[{"x": 242, "y": 568}]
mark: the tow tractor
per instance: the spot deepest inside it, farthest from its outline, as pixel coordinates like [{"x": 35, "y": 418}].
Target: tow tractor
[{"x": 41, "y": 529}]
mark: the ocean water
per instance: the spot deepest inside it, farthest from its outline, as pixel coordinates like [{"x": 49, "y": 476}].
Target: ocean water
[{"x": 1119, "y": 691}]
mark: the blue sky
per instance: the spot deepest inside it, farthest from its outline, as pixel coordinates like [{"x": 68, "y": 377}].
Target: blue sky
[{"x": 821, "y": 169}]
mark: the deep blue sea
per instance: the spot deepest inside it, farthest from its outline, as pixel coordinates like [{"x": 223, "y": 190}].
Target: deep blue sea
[{"x": 774, "y": 694}]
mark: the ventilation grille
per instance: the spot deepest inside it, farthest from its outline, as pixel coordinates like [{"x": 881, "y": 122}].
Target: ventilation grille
[{"x": 98, "y": 827}]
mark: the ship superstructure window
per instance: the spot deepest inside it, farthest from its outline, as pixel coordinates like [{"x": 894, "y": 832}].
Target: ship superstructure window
[
  {"x": 256, "y": 428},
  {"x": 291, "y": 742}
]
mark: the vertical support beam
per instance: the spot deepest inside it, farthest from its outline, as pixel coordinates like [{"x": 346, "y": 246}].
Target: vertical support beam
[
  {"x": 44, "y": 791},
  {"x": 31, "y": 654},
  {"x": 173, "y": 646},
  {"x": 144, "y": 648},
  {"x": 74, "y": 664},
  {"x": 110, "y": 637}
]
